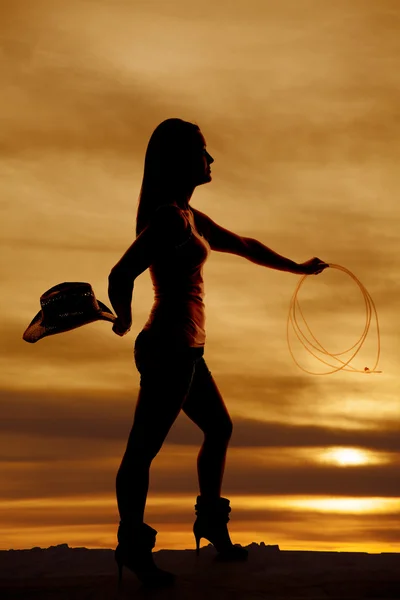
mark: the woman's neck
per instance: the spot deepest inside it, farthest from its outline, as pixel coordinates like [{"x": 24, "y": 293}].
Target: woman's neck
[{"x": 181, "y": 197}]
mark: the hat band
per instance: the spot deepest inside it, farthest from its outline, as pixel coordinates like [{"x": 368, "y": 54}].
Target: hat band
[
  {"x": 67, "y": 315},
  {"x": 45, "y": 301}
]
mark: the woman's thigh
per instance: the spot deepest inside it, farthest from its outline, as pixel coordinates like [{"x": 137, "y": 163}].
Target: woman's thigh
[
  {"x": 205, "y": 406},
  {"x": 165, "y": 381}
]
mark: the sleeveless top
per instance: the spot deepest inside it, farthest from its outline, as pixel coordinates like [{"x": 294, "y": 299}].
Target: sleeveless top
[{"x": 178, "y": 316}]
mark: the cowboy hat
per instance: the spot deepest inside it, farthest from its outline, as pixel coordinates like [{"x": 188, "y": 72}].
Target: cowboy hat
[{"x": 66, "y": 306}]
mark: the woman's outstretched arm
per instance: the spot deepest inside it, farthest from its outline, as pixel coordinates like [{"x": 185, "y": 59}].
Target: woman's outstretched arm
[
  {"x": 259, "y": 254},
  {"x": 223, "y": 240}
]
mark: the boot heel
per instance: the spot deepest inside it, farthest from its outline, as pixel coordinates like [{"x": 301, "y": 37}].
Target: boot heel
[
  {"x": 197, "y": 544},
  {"x": 211, "y": 524},
  {"x": 136, "y": 556}
]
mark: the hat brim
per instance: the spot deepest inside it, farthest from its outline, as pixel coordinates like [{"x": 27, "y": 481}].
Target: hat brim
[{"x": 37, "y": 329}]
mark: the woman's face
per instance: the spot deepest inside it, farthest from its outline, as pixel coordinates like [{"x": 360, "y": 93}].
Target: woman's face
[{"x": 199, "y": 161}]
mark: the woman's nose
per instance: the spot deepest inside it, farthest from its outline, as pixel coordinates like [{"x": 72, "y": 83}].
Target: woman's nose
[{"x": 210, "y": 158}]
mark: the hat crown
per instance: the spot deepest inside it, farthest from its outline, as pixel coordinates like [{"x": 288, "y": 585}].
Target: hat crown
[{"x": 68, "y": 300}]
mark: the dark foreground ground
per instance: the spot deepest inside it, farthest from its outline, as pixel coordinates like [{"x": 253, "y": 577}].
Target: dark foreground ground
[{"x": 63, "y": 573}]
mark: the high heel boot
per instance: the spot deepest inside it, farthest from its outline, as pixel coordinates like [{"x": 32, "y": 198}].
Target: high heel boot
[
  {"x": 135, "y": 543},
  {"x": 211, "y": 524}
]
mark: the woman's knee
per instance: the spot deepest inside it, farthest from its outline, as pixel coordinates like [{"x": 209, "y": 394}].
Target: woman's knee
[
  {"x": 220, "y": 432},
  {"x": 141, "y": 448},
  {"x": 228, "y": 429}
]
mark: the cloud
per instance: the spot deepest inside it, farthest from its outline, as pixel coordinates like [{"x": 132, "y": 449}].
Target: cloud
[
  {"x": 103, "y": 416},
  {"x": 86, "y": 433},
  {"x": 245, "y": 474}
]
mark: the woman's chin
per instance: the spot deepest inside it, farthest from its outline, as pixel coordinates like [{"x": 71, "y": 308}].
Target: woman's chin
[{"x": 206, "y": 179}]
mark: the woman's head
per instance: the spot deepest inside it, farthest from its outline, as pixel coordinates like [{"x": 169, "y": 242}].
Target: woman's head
[{"x": 176, "y": 161}]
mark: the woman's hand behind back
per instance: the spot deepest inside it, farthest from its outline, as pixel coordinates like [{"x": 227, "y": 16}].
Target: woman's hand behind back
[{"x": 121, "y": 327}]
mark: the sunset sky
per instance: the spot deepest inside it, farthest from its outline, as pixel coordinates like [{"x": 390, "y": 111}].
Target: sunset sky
[{"x": 299, "y": 103}]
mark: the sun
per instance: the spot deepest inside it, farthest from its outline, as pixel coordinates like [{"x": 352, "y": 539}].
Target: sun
[{"x": 347, "y": 456}]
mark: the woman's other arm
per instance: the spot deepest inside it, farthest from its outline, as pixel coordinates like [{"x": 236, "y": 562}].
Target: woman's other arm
[{"x": 159, "y": 234}]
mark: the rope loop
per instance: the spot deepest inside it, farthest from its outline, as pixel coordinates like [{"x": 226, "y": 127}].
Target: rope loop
[{"x": 344, "y": 365}]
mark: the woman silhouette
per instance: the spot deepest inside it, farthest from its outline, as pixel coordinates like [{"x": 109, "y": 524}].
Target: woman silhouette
[{"x": 174, "y": 241}]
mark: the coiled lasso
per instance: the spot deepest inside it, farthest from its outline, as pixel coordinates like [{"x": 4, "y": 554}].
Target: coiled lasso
[{"x": 292, "y": 319}]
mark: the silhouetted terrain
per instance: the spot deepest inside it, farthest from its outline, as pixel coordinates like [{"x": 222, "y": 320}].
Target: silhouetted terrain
[{"x": 61, "y": 572}]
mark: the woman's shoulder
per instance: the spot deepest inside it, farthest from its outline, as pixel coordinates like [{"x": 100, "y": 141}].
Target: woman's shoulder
[
  {"x": 171, "y": 222},
  {"x": 202, "y": 222},
  {"x": 169, "y": 214}
]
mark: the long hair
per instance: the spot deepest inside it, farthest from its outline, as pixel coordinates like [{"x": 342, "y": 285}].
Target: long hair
[{"x": 167, "y": 154}]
